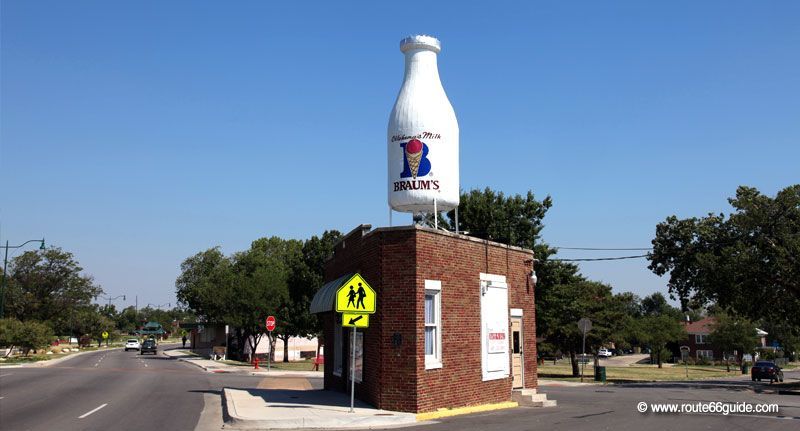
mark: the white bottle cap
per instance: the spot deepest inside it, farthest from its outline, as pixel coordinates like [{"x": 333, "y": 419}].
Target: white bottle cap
[{"x": 420, "y": 41}]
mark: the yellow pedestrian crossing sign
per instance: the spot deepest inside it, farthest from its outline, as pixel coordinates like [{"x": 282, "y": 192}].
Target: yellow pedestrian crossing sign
[
  {"x": 355, "y": 320},
  {"x": 105, "y": 335},
  {"x": 355, "y": 296}
]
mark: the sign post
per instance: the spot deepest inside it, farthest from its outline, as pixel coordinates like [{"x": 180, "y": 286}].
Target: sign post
[
  {"x": 685, "y": 357},
  {"x": 356, "y": 300},
  {"x": 585, "y": 325},
  {"x": 270, "y": 328}
]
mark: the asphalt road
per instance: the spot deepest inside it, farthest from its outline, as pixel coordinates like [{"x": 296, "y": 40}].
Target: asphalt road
[
  {"x": 614, "y": 407},
  {"x": 102, "y": 390},
  {"x": 117, "y": 390}
]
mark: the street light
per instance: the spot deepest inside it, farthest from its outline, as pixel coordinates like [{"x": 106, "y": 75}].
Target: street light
[
  {"x": 111, "y": 299},
  {"x": 5, "y": 266}
]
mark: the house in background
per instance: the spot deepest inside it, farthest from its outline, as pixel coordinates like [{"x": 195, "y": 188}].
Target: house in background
[{"x": 699, "y": 344}]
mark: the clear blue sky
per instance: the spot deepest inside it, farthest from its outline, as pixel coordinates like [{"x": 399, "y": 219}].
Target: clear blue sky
[{"x": 135, "y": 134}]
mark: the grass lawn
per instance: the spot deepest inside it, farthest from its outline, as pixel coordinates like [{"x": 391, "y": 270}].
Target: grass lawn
[{"x": 637, "y": 373}]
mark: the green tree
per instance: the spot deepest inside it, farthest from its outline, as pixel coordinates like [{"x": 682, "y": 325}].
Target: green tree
[
  {"x": 47, "y": 286},
  {"x": 126, "y": 321},
  {"x": 307, "y": 273},
  {"x": 28, "y": 335},
  {"x": 658, "y": 330},
  {"x": 568, "y": 303},
  {"x": 239, "y": 290},
  {"x": 9, "y": 333},
  {"x": 747, "y": 262},
  {"x": 730, "y": 334}
]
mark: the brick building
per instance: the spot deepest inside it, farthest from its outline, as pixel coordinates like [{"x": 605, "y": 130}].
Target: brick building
[
  {"x": 455, "y": 319},
  {"x": 700, "y": 345}
]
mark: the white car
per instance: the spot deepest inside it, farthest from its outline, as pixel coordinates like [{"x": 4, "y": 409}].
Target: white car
[
  {"x": 132, "y": 344},
  {"x": 604, "y": 353}
]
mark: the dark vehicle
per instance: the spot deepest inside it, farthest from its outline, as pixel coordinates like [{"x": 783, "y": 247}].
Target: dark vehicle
[
  {"x": 149, "y": 346},
  {"x": 766, "y": 370}
]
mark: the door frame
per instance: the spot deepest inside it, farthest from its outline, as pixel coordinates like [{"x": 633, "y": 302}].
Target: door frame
[{"x": 516, "y": 313}]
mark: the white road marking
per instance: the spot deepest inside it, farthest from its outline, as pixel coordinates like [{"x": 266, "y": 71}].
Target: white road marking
[
  {"x": 92, "y": 411},
  {"x": 3, "y": 375},
  {"x": 1, "y": 398}
]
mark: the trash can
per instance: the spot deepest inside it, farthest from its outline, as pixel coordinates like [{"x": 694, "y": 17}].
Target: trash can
[
  {"x": 600, "y": 374},
  {"x": 745, "y": 369}
]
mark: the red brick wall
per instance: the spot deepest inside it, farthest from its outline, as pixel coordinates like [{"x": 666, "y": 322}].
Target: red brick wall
[{"x": 396, "y": 262}]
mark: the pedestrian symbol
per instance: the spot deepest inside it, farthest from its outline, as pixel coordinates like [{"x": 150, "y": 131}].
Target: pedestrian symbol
[
  {"x": 105, "y": 335},
  {"x": 355, "y": 296}
]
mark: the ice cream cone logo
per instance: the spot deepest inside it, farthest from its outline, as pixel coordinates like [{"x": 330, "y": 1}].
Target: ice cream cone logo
[{"x": 415, "y": 153}]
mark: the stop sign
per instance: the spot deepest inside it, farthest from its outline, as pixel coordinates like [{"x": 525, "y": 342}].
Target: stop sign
[{"x": 270, "y": 323}]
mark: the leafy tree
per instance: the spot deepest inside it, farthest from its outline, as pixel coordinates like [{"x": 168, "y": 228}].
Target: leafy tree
[
  {"x": 747, "y": 262},
  {"x": 568, "y": 303},
  {"x": 307, "y": 272},
  {"x": 126, "y": 320},
  {"x": 238, "y": 290},
  {"x": 658, "y": 330},
  {"x": 515, "y": 220},
  {"x": 731, "y": 333},
  {"x": 28, "y": 335},
  {"x": 47, "y": 285},
  {"x": 9, "y": 333}
]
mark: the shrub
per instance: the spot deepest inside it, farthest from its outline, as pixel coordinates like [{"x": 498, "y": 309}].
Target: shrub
[{"x": 34, "y": 335}]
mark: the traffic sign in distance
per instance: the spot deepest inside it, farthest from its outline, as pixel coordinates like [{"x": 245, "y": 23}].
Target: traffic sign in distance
[
  {"x": 356, "y": 296},
  {"x": 270, "y": 323},
  {"x": 351, "y": 320},
  {"x": 105, "y": 334},
  {"x": 585, "y": 325}
]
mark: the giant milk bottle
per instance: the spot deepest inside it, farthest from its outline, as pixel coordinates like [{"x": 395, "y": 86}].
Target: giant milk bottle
[{"x": 422, "y": 137}]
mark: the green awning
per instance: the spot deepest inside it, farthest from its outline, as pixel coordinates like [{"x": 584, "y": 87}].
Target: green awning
[{"x": 326, "y": 295}]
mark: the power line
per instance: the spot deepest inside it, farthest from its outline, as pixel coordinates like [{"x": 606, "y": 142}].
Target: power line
[{"x": 600, "y": 258}]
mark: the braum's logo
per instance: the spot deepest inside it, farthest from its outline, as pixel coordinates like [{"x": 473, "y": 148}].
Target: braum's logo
[{"x": 415, "y": 159}]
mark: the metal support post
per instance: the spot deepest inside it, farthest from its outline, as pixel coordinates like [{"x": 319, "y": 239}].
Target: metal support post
[{"x": 353, "y": 374}]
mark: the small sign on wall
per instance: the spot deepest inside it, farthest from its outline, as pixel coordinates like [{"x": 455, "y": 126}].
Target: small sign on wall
[{"x": 497, "y": 341}]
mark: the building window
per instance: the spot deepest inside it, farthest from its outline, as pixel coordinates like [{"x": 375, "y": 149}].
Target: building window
[
  {"x": 337, "y": 345},
  {"x": 708, "y": 354},
  {"x": 700, "y": 339},
  {"x": 433, "y": 324}
]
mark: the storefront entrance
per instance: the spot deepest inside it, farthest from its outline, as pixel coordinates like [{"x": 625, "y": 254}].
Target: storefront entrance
[{"x": 516, "y": 352}]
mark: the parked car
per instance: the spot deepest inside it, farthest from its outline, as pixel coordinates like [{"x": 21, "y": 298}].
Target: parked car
[
  {"x": 149, "y": 346},
  {"x": 604, "y": 353},
  {"x": 766, "y": 370},
  {"x": 132, "y": 344}
]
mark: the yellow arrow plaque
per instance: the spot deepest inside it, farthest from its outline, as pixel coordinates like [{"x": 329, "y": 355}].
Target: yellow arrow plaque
[{"x": 350, "y": 320}]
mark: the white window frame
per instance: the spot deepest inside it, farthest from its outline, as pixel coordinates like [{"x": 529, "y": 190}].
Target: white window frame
[
  {"x": 434, "y": 361},
  {"x": 337, "y": 345},
  {"x": 700, "y": 339},
  {"x": 708, "y": 354}
]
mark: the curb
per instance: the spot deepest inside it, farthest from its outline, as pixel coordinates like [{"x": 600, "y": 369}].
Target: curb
[
  {"x": 443, "y": 413},
  {"x": 233, "y": 419}
]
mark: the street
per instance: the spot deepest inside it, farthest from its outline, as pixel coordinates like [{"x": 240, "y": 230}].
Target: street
[
  {"x": 615, "y": 407},
  {"x": 120, "y": 390},
  {"x": 110, "y": 389}
]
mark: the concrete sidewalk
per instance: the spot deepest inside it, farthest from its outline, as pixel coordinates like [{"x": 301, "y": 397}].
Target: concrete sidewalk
[
  {"x": 292, "y": 409},
  {"x": 221, "y": 367}
]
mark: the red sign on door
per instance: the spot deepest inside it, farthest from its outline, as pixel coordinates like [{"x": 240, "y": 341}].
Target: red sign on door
[{"x": 270, "y": 323}]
